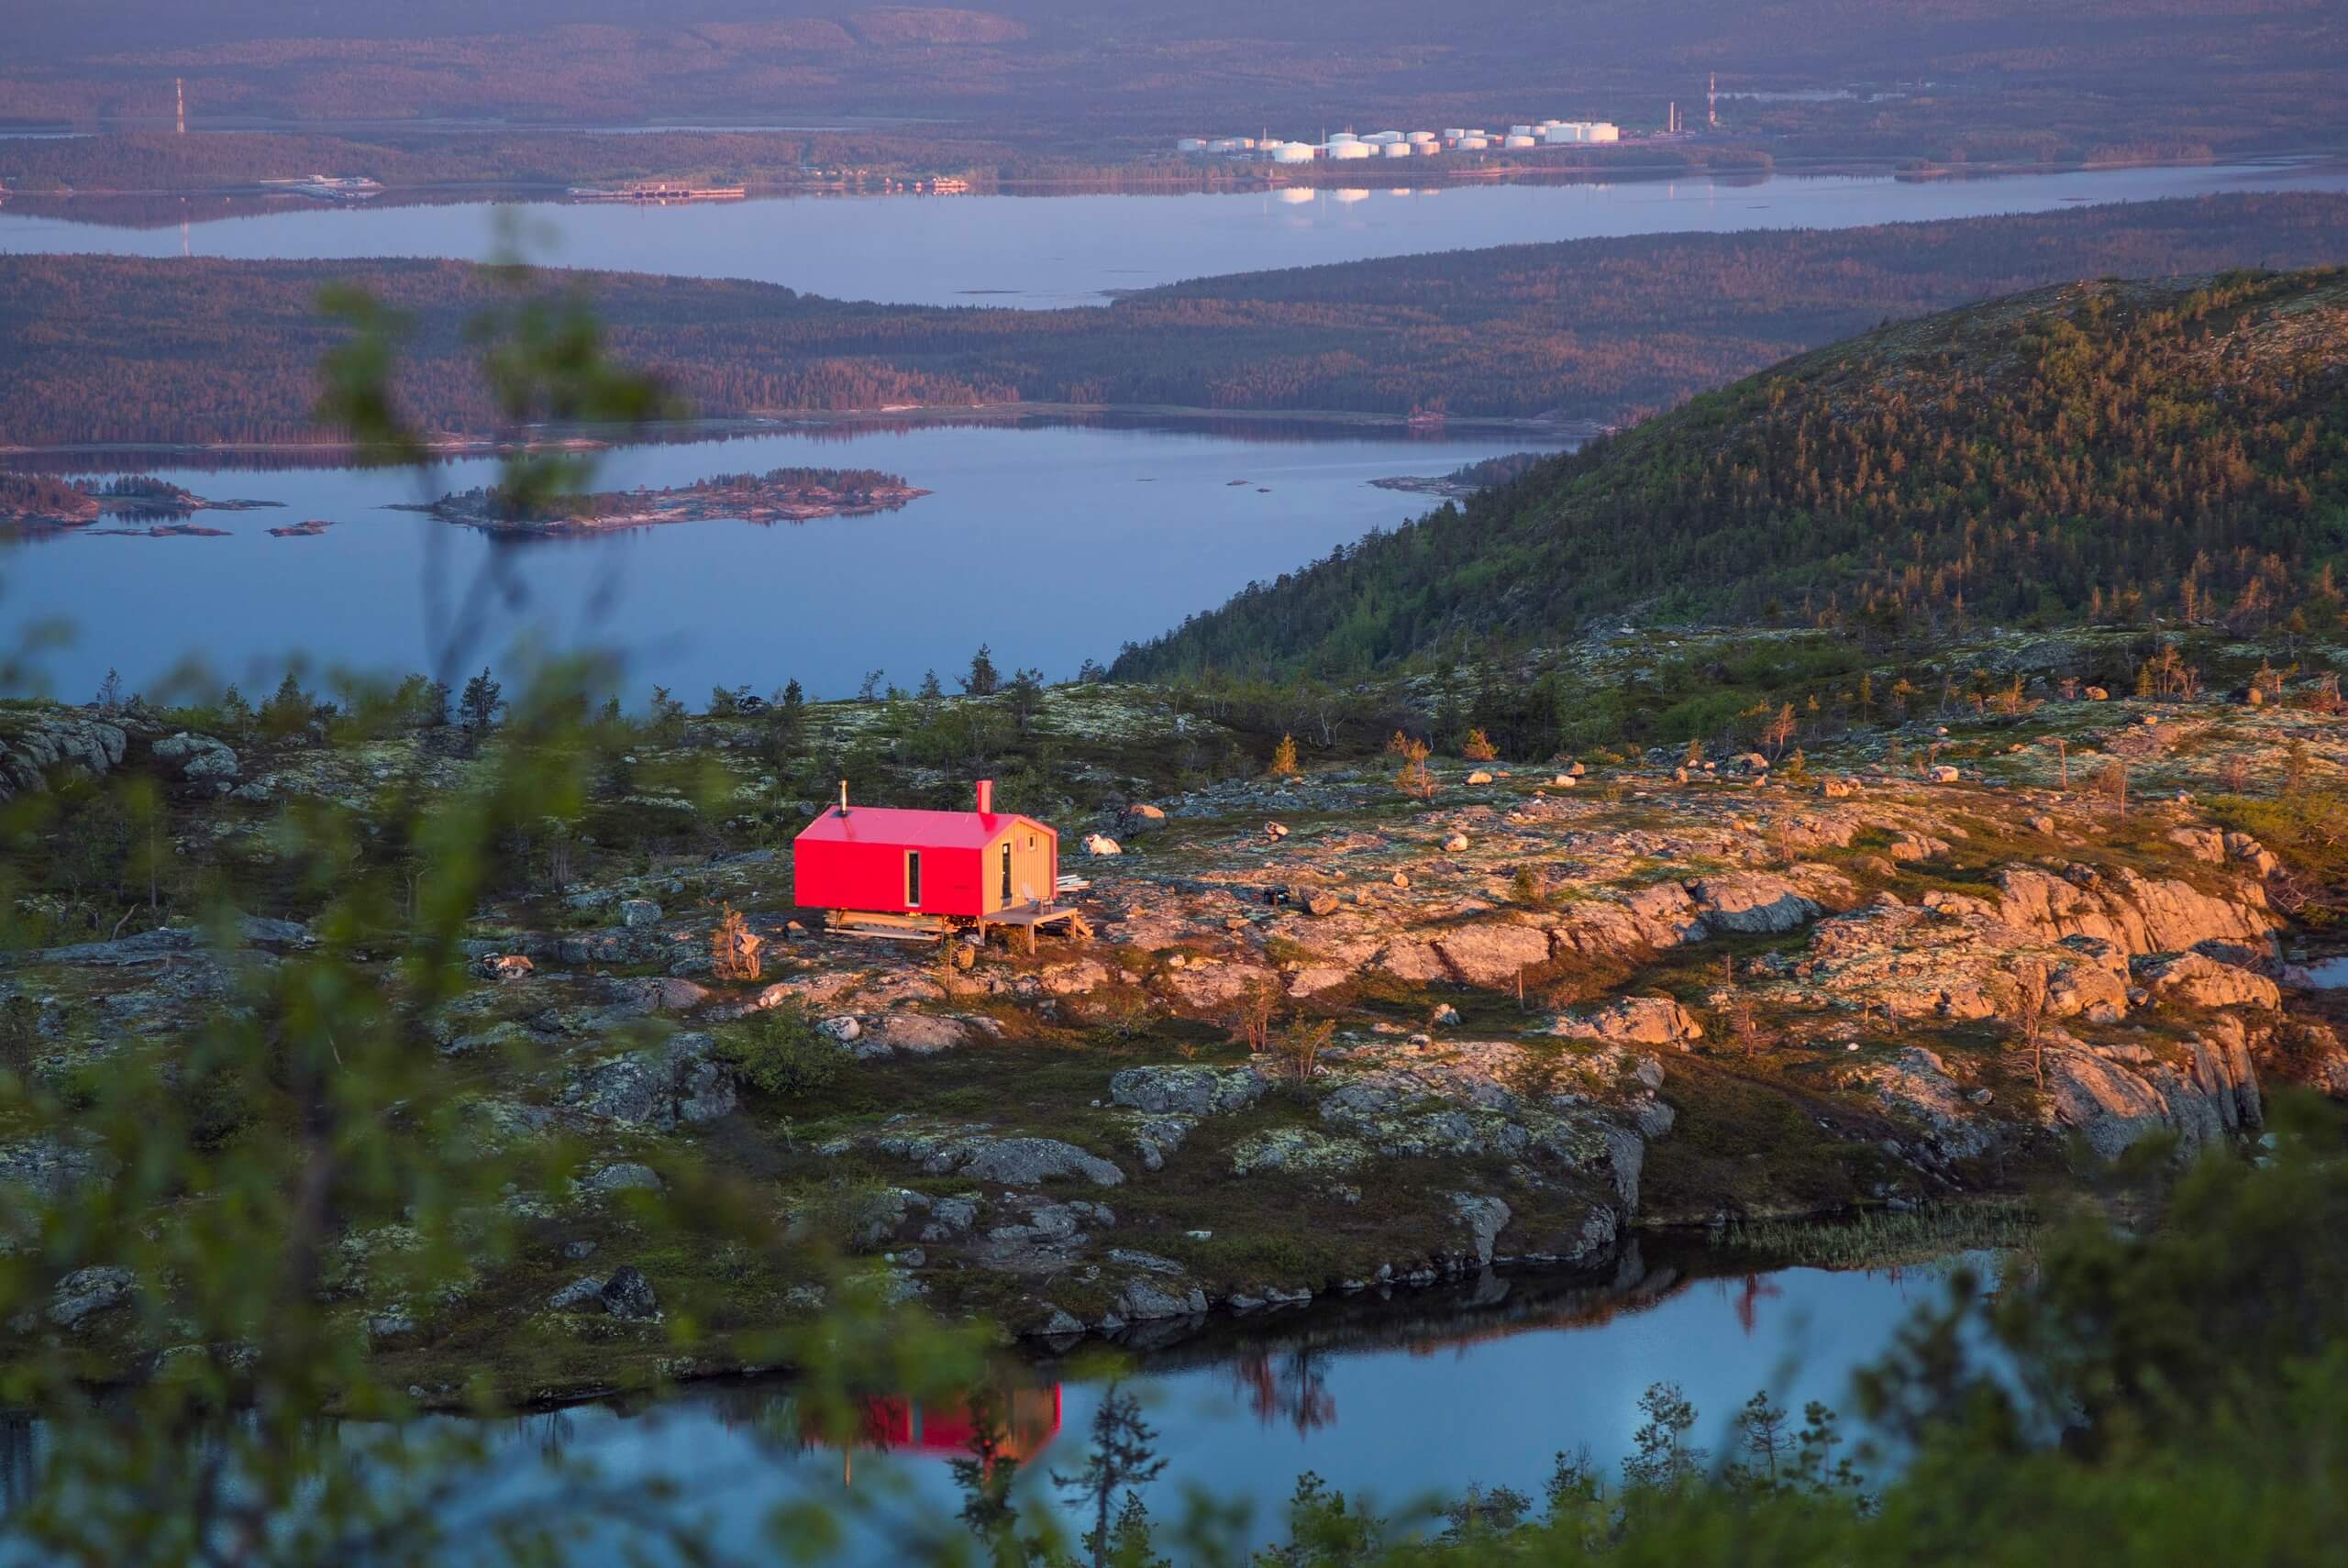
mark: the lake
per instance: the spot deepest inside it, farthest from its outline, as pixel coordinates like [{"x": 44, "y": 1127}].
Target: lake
[
  {"x": 1052, "y": 542},
  {"x": 1479, "y": 1384},
  {"x": 1076, "y": 250}
]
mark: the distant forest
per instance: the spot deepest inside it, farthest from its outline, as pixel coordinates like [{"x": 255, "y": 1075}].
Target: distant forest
[
  {"x": 2104, "y": 451},
  {"x": 126, "y": 352},
  {"x": 1968, "y": 80}
]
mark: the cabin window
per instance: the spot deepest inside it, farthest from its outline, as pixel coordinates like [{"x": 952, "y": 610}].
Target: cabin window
[
  {"x": 1006, "y": 870},
  {"x": 913, "y": 879}
]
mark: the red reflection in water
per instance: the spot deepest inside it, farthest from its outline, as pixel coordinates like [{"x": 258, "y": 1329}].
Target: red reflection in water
[
  {"x": 1029, "y": 1419},
  {"x": 1748, "y": 1301},
  {"x": 1290, "y": 1386}
]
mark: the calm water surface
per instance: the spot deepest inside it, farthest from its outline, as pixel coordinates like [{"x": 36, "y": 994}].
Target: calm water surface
[
  {"x": 1392, "y": 1402},
  {"x": 1388, "y": 1402},
  {"x": 1073, "y": 249},
  {"x": 1052, "y": 544}
]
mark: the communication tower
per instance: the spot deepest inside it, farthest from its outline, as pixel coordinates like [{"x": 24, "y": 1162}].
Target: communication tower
[
  {"x": 1712, "y": 102},
  {"x": 179, "y": 84}
]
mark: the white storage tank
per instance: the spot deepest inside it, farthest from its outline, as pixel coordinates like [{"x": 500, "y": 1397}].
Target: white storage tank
[
  {"x": 1520, "y": 130},
  {"x": 1426, "y": 147},
  {"x": 1474, "y": 143},
  {"x": 1420, "y": 137},
  {"x": 1291, "y": 152},
  {"x": 1516, "y": 138},
  {"x": 1190, "y": 144},
  {"x": 1453, "y": 133},
  {"x": 1604, "y": 130},
  {"x": 1384, "y": 138},
  {"x": 1398, "y": 149},
  {"x": 1348, "y": 149},
  {"x": 1555, "y": 135}
]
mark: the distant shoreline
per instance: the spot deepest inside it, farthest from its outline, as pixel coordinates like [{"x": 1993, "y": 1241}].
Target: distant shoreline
[{"x": 734, "y": 427}]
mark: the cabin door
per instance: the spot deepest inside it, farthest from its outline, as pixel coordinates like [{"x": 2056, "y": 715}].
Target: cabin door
[
  {"x": 913, "y": 879},
  {"x": 1006, "y": 871}
]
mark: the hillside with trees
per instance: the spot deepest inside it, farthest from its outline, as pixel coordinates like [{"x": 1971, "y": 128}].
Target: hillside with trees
[
  {"x": 127, "y": 351},
  {"x": 2099, "y": 451}
]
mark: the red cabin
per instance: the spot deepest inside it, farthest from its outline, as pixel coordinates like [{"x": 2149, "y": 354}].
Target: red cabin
[{"x": 985, "y": 865}]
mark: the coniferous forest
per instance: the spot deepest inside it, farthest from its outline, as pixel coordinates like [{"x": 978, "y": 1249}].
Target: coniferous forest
[{"x": 2103, "y": 451}]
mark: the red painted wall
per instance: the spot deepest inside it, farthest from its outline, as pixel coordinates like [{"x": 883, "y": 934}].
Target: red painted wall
[{"x": 872, "y": 876}]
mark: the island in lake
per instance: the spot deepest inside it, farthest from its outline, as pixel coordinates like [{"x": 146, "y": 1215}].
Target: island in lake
[
  {"x": 34, "y": 502},
  {"x": 780, "y": 495}
]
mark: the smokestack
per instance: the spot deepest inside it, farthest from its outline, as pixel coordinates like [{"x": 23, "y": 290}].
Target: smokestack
[
  {"x": 986, "y": 796},
  {"x": 843, "y": 797}
]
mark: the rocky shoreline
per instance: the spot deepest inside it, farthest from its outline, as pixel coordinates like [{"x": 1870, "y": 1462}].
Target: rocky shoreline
[{"x": 784, "y": 495}]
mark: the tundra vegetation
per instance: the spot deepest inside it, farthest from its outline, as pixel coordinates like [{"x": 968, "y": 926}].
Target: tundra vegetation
[{"x": 356, "y": 1064}]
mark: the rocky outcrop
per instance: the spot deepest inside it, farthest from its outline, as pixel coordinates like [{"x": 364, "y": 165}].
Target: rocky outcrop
[
  {"x": 1187, "y": 1091},
  {"x": 1491, "y": 953},
  {"x": 55, "y": 747},
  {"x": 677, "y": 1083},
  {"x": 2136, "y": 913},
  {"x": 1752, "y": 904},
  {"x": 984, "y": 1156},
  {"x": 2114, "y": 1098},
  {"x": 86, "y": 1292},
  {"x": 2201, "y": 981},
  {"x": 1914, "y": 1085},
  {"x": 1485, "y": 1218},
  {"x": 1633, "y": 1020}
]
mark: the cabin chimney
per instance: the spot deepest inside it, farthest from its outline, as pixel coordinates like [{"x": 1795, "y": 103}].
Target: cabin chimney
[
  {"x": 843, "y": 797},
  {"x": 986, "y": 796}
]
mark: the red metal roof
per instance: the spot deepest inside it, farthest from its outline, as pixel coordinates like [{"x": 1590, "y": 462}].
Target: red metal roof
[{"x": 894, "y": 826}]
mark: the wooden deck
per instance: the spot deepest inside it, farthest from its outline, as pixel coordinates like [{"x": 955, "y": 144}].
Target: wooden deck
[
  {"x": 1037, "y": 918},
  {"x": 938, "y": 928}
]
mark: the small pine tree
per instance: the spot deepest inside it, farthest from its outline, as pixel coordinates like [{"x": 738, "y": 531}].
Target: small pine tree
[
  {"x": 1284, "y": 758},
  {"x": 983, "y": 681},
  {"x": 479, "y": 704},
  {"x": 1479, "y": 747}
]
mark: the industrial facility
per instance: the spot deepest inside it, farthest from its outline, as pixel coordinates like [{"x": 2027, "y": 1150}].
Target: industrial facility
[{"x": 1345, "y": 146}]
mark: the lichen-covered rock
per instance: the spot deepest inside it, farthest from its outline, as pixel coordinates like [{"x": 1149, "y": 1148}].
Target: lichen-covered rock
[
  {"x": 1297, "y": 1150},
  {"x": 1187, "y": 1091},
  {"x": 1915, "y": 1085},
  {"x": 628, "y": 1295},
  {"x": 86, "y": 1292},
  {"x": 919, "y": 1033},
  {"x": 1752, "y": 904},
  {"x": 1006, "y": 1160},
  {"x": 679, "y": 1082},
  {"x": 584, "y": 1294}
]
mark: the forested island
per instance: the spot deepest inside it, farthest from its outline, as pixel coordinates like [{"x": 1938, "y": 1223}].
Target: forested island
[
  {"x": 123, "y": 351},
  {"x": 37, "y": 502},
  {"x": 778, "y": 495}
]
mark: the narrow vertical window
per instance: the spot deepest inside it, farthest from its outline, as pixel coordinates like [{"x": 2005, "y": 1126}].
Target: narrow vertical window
[
  {"x": 913, "y": 879},
  {"x": 1006, "y": 870}
]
